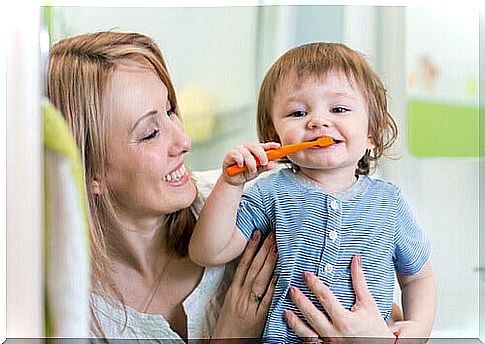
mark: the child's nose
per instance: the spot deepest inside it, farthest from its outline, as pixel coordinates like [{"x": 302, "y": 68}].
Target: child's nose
[{"x": 318, "y": 121}]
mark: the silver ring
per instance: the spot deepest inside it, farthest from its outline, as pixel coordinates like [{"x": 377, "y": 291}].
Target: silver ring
[{"x": 256, "y": 297}]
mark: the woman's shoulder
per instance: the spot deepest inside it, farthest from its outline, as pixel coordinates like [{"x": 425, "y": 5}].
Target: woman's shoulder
[
  {"x": 205, "y": 181},
  {"x": 122, "y": 322},
  {"x": 202, "y": 307},
  {"x": 204, "y": 304}
]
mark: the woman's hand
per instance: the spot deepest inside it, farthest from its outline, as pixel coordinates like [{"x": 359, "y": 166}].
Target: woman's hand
[
  {"x": 248, "y": 154},
  {"x": 247, "y": 301},
  {"x": 363, "y": 320}
]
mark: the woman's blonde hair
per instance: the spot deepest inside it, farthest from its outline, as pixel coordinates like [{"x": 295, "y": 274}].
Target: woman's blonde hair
[
  {"x": 316, "y": 60},
  {"x": 80, "y": 69}
]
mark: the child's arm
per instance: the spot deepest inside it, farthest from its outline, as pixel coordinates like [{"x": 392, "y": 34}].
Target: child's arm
[
  {"x": 216, "y": 239},
  {"x": 418, "y": 302}
]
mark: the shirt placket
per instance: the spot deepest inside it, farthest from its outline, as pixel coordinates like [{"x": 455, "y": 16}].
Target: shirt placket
[{"x": 330, "y": 252}]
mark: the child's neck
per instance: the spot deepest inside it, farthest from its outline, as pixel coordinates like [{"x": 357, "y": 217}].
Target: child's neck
[{"x": 333, "y": 181}]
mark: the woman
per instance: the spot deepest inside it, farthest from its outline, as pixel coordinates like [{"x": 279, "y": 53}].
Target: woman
[
  {"x": 115, "y": 92},
  {"x": 117, "y": 97}
]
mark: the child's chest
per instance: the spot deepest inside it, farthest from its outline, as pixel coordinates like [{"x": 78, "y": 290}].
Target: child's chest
[{"x": 325, "y": 232}]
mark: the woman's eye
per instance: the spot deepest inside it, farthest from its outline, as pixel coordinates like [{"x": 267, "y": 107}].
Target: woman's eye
[
  {"x": 339, "y": 109},
  {"x": 298, "y": 113},
  {"x": 152, "y": 135}
]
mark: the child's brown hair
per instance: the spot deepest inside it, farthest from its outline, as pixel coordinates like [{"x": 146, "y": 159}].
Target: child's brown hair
[{"x": 316, "y": 60}]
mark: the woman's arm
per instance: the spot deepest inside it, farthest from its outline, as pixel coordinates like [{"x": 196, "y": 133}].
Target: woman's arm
[
  {"x": 362, "y": 320},
  {"x": 247, "y": 301},
  {"x": 419, "y": 303}
]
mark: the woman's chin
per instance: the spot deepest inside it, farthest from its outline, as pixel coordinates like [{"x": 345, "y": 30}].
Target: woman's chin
[{"x": 181, "y": 195}]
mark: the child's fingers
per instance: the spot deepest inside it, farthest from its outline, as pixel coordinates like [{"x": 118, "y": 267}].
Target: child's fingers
[
  {"x": 252, "y": 155},
  {"x": 233, "y": 157},
  {"x": 257, "y": 150},
  {"x": 268, "y": 167},
  {"x": 249, "y": 159}
]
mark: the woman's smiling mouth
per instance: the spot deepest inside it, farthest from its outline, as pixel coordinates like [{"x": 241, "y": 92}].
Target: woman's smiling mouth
[{"x": 176, "y": 175}]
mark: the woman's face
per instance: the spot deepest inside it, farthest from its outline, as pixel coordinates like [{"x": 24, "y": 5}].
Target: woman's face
[{"x": 146, "y": 143}]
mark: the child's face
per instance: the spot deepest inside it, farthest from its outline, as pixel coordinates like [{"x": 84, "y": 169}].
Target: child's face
[{"x": 308, "y": 109}]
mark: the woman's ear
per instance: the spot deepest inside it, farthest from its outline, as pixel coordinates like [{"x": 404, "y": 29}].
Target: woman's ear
[
  {"x": 370, "y": 143},
  {"x": 96, "y": 187}
]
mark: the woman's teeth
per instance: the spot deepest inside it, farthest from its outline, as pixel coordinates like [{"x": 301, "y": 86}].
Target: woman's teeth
[{"x": 175, "y": 175}]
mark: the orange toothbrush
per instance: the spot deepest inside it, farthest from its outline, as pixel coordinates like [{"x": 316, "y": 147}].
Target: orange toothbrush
[{"x": 278, "y": 153}]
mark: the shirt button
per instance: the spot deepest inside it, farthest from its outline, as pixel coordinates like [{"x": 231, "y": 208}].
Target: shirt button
[
  {"x": 334, "y": 204},
  {"x": 333, "y": 235},
  {"x": 328, "y": 268}
]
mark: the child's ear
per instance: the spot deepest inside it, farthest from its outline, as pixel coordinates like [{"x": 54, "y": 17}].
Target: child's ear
[{"x": 95, "y": 187}]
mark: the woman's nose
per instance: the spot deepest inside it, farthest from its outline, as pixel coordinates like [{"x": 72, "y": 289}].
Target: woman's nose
[{"x": 180, "y": 142}]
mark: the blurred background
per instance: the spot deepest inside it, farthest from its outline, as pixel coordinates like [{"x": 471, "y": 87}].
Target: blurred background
[{"x": 427, "y": 57}]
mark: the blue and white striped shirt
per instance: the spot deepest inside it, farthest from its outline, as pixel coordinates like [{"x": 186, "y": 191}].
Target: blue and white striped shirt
[{"x": 320, "y": 232}]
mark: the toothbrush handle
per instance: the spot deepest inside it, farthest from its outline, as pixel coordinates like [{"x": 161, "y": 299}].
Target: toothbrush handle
[
  {"x": 272, "y": 154},
  {"x": 235, "y": 169}
]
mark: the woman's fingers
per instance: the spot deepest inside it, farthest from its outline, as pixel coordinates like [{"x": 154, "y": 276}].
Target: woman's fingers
[
  {"x": 264, "y": 275},
  {"x": 362, "y": 294},
  {"x": 247, "y": 258},
  {"x": 326, "y": 298},
  {"x": 256, "y": 266},
  {"x": 300, "y": 328},
  {"x": 315, "y": 318},
  {"x": 265, "y": 303}
]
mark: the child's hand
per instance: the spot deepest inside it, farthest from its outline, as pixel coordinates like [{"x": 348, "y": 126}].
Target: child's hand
[
  {"x": 408, "y": 329},
  {"x": 246, "y": 154}
]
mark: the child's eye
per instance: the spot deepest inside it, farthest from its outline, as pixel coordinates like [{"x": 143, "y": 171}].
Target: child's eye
[
  {"x": 152, "y": 134},
  {"x": 339, "y": 109},
  {"x": 298, "y": 113},
  {"x": 171, "y": 112}
]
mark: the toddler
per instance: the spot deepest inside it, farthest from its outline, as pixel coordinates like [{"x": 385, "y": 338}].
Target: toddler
[{"x": 323, "y": 208}]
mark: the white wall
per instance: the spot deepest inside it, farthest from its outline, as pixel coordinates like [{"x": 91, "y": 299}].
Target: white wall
[
  {"x": 211, "y": 54},
  {"x": 213, "y": 46},
  {"x": 444, "y": 192}
]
